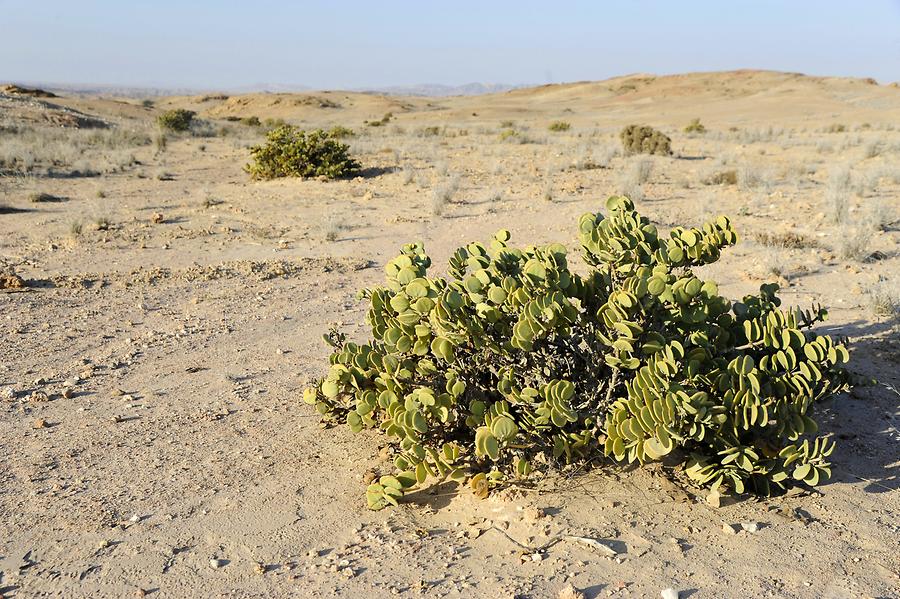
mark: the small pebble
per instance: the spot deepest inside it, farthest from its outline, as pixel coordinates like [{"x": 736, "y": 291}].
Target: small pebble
[
  {"x": 38, "y": 397},
  {"x": 218, "y": 563},
  {"x": 750, "y": 527},
  {"x": 669, "y": 593}
]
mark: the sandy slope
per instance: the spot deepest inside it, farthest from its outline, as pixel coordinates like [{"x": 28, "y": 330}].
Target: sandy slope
[{"x": 185, "y": 332}]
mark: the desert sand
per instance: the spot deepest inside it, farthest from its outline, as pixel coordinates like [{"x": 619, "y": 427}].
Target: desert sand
[{"x": 168, "y": 311}]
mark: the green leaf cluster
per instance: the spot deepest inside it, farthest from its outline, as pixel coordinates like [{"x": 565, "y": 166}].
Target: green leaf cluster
[
  {"x": 513, "y": 363},
  {"x": 292, "y": 152}
]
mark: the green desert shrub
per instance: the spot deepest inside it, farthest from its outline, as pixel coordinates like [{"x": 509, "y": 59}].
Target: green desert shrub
[
  {"x": 381, "y": 123},
  {"x": 640, "y": 139},
  {"x": 514, "y": 364},
  {"x": 695, "y": 126},
  {"x": 292, "y": 152},
  {"x": 177, "y": 119},
  {"x": 559, "y": 126},
  {"x": 341, "y": 132}
]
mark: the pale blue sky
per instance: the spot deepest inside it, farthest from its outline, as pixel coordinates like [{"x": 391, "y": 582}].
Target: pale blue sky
[{"x": 224, "y": 44}]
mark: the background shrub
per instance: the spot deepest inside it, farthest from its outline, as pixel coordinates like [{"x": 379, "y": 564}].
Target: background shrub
[
  {"x": 695, "y": 126},
  {"x": 514, "y": 364},
  {"x": 292, "y": 152},
  {"x": 176, "y": 120},
  {"x": 729, "y": 177},
  {"x": 341, "y": 132},
  {"x": 559, "y": 126},
  {"x": 640, "y": 139}
]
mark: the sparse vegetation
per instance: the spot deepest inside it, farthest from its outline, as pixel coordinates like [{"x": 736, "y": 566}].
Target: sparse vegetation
[
  {"x": 380, "y": 123},
  {"x": 751, "y": 177},
  {"x": 442, "y": 195},
  {"x": 789, "y": 240},
  {"x": 547, "y": 190},
  {"x": 729, "y": 177},
  {"x": 884, "y": 299},
  {"x": 431, "y": 131},
  {"x": 631, "y": 179},
  {"x": 160, "y": 141},
  {"x": 559, "y": 126},
  {"x": 292, "y": 152},
  {"x": 47, "y": 150},
  {"x": 409, "y": 175},
  {"x": 638, "y": 139},
  {"x": 853, "y": 242},
  {"x": 332, "y": 228},
  {"x": 509, "y": 134},
  {"x": 341, "y": 132},
  {"x": 837, "y": 195}
]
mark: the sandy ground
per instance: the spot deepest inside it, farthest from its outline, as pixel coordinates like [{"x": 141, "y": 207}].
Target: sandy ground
[{"x": 152, "y": 434}]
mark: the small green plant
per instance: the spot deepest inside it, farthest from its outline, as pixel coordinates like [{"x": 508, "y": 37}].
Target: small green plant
[
  {"x": 559, "y": 126},
  {"x": 381, "y": 123},
  {"x": 514, "y": 364},
  {"x": 340, "y": 132},
  {"x": 292, "y": 152},
  {"x": 695, "y": 126},
  {"x": 639, "y": 139},
  {"x": 508, "y": 134},
  {"x": 251, "y": 121},
  {"x": 177, "y": 120}
]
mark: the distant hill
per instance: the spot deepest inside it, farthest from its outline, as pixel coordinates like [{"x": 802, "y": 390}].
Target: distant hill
[
  {"x": 124, "y": 91},
  {"x": 440, "y": 90}
]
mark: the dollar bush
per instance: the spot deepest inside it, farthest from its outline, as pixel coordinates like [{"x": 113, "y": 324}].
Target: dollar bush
[
  {"x": 513, "y": 363},
  {"x": 292, "y": 152},
  {"x": 640, "y": 139}
]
